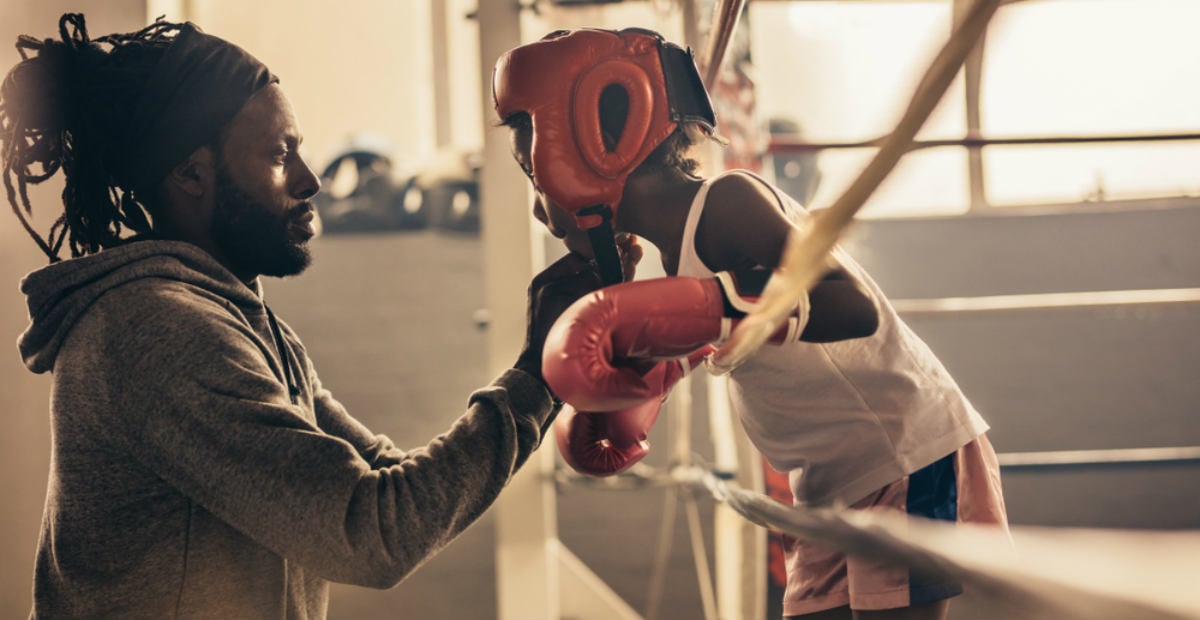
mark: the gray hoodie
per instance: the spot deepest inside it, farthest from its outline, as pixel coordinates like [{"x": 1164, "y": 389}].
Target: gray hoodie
[{"x": 186, "y": 481}]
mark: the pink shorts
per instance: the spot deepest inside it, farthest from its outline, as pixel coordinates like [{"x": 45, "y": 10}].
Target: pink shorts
[{"x": 962, "y": 487}]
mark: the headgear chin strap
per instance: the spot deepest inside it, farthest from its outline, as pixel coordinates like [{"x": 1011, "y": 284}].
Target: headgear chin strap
[{"x": 558, "y": 82}]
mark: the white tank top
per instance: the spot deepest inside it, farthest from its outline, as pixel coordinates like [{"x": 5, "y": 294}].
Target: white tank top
[{"x": 843, "y": 418}]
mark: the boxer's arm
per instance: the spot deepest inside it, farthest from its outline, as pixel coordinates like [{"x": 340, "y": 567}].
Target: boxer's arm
[
  {"x": 743, "y": 229},
  {"x": 839, "y": 309}
]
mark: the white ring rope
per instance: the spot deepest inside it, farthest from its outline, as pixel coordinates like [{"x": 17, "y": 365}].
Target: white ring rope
[
  {"x": 807, "y": 249},
  {"x": 1116, "y": 456},
  {"x": 1046, "y": 301},
  {"x": 1039, "y": 573},
  {"x": 1048, "y": 573},
  {"x": 642, "y": 476}
]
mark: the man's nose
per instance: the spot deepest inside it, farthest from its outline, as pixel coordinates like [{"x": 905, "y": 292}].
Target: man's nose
[{"x": 305, "y": 182}]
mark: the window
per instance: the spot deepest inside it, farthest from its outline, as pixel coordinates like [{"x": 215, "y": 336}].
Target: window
[{"x": 844, "y": 72}]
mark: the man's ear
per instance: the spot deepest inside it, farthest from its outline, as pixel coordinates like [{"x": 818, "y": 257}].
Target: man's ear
[{"x": 196, "y": 175}]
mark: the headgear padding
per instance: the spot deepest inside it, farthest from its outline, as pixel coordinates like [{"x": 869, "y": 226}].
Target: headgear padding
[{"x": 558, "y": 82}]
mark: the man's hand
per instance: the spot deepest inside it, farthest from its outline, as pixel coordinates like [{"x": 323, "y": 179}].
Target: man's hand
[
  {"x": 630, "y": 252},
  {"x": 562, "y": 225},
  {"x": 551, "y": 292}
]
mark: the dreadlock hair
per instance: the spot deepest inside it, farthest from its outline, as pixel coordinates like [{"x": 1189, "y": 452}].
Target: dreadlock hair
[{"x": 68, "y": 105}]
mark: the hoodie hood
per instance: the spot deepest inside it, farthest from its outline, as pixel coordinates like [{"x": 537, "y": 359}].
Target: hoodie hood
[{"x": 59, "y": 294}]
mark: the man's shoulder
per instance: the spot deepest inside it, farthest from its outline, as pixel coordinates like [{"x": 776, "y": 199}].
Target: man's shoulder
[
  {"x": 159, "y": 294},
  {"x": 158, "y": 325},
  {"x": 163, "y": 305}
]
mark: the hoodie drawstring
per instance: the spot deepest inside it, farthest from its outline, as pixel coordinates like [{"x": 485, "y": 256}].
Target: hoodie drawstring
[{"x": 286, "y": 360}]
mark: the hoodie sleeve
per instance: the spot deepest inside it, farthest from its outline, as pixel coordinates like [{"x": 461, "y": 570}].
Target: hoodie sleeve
[
  {"x": 199, "y": 405},
  {"x": 332, "y": 417}
]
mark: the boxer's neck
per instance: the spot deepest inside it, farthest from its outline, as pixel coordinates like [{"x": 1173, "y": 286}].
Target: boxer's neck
[{"x": 655, "y": 207}]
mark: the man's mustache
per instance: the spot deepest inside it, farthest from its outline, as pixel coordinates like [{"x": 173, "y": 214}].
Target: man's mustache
[{"x": 301, "y": 209}]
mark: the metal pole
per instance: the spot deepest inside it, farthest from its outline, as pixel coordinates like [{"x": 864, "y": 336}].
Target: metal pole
[
  {"x": 527, "y": 578},
  {"x": 441, "y": 74},
  {"x": 973, "y": 76}
]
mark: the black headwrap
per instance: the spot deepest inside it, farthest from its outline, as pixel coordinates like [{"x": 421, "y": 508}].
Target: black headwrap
[{"x": 199, "y": 85}]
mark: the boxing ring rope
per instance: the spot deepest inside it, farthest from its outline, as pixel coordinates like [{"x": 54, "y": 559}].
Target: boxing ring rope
[
  {"x": 679, "y": 425},
  {"x": 783, "y": 144},
  {"x": 984, "y": 561},
  {"x": 1021, "y": 579},
  {"x": 642, "y": 476},
  {"x": 1037, "y": 573},
  {"x": 805, "y": 253},
  {"x": 1004, "y": 580},
  {"x": 1045, "y": 301},
  {"x": 1048, "y": 301},
  {"x": 1083, "y": 458},
  {"x": 987, "y": 563},
  {"x": 725, "y": 19},
  {"x": 786, "y": 144}
]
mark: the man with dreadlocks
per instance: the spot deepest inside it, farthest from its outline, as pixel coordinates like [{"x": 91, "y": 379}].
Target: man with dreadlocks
[{"x": 199, "y": 467}]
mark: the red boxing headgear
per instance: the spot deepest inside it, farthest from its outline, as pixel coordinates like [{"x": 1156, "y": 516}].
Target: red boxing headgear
[{"x": 558, "y": 81}]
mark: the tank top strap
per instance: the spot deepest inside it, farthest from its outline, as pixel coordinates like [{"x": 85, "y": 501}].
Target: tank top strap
[
  {"x": 782, "y": 200},
  {"x": 689, "y": 261}
]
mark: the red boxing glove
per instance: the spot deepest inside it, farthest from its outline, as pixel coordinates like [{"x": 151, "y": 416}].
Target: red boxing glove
[
  {"x": 607, "y": 443},
  {"x": 603, "y": 444},
  {"x": 600, "y": 354}
]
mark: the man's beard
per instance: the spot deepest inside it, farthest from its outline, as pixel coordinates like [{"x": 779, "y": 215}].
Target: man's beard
[{"x": 253, "y": 239}]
